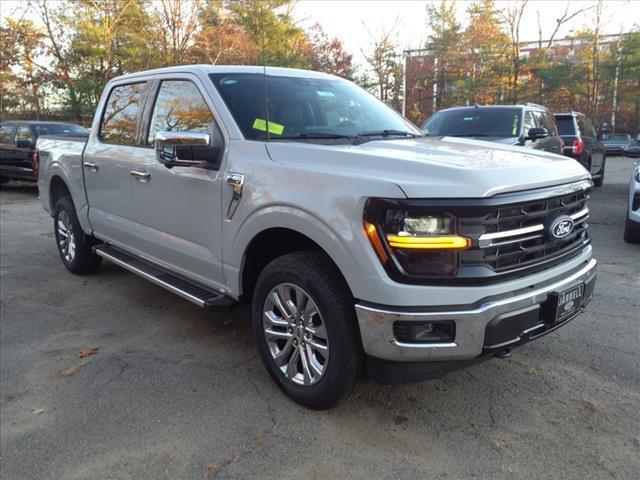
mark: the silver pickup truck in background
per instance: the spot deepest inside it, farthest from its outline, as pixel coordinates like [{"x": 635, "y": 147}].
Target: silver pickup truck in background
[{"x": 364, "y": 247}]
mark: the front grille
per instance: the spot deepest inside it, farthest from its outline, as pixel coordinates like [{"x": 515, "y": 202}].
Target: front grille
[{"x": 514, "y": 237}]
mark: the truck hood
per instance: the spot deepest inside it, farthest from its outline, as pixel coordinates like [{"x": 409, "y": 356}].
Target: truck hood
[{"x": 444, "y": 167}]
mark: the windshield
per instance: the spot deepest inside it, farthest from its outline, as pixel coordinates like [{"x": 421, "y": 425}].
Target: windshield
[
  {"x": 475, "y": 122},
  {"x": 60, "y": 129},
  {"x": 618, "y": 138},
  {"x": 565, "y": 126},
  {"x": 304, "y": 107}
]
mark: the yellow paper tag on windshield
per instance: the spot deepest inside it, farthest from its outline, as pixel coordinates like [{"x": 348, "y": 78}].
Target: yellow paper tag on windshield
[{"x": 261, "y": 124}]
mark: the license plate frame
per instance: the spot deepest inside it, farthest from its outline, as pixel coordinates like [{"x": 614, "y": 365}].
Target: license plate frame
[{"x": 567, "y": 302}]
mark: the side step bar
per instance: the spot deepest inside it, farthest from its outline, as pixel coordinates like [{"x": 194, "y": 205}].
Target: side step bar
[{"x": 205, "y": 298}]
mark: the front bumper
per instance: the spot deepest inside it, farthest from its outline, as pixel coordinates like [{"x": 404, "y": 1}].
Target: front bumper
[{"x": 487, "y": 326}]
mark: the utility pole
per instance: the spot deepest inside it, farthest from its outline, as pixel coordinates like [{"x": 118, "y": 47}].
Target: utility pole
[{"x": 614, "y": 106}]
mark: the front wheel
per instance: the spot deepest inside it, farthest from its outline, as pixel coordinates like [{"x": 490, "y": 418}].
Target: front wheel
[
  {"x": 74, "y": 246},
  {"x": 305, "y": 328},
  {"x": 631, "y": 231}
]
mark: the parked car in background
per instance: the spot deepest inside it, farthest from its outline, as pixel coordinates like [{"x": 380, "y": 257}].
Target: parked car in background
[
  {"x": 615, "y": 143},
  {"x": 581, "y": 142},
  {"x": 632, "y": 224},
  {"x": 18, "y": 160},
  {"x": 528, "y": 125},
  {"x": 358, "y": 241}
]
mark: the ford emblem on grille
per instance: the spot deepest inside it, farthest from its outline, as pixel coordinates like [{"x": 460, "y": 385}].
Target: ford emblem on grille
[{"x": 561, "y": 227}]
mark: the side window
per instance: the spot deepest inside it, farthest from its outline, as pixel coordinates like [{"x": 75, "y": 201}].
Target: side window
[
  {"x": 529, "y": 121},
  {"x": 24, "y": 133},
  {"x": 179, "y": 107},
  {"x": 551, "y": 122},
  {"x": 5, "y": 133},
  {"x": 121, "y": 113}
]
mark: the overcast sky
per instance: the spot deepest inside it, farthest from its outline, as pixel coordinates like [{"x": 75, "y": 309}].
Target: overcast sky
[{"x": 346, "y": 19}]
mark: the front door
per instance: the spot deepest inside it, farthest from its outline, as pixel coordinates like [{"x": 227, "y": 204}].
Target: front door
[
  {"x": 111, "y": 153},
  {"x": 178, "y": 214}
]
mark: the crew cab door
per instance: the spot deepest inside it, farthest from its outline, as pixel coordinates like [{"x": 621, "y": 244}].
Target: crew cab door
[
  {"x": 591, "y": 143},
  {"x": 112, "y": 151},
  {"x": 178, "y": 213}
]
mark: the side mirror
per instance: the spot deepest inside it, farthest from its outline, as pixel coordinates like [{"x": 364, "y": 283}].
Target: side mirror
[
  {"x": 537, "y": 133},
  {"x": 23, "y": 143},
  {"x": 186, "y": 149},
  {"x": 631, "y": 152}
]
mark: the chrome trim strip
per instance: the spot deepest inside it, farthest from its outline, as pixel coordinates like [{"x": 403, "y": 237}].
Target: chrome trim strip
[
  {"x": 424, "y": 345},
  {"x": 151, "y": 278},
  {"x": 484, "y": 241},
  {"x": 489, "y": 305}
]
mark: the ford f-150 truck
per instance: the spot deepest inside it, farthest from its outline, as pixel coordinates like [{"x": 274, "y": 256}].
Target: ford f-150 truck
[{"x": 364, "y": 247}]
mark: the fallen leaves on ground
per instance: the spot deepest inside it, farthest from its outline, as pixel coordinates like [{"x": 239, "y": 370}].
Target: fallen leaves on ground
[
  {"x": 87, "y": 352},
  {"x": 37, "y": 411}
]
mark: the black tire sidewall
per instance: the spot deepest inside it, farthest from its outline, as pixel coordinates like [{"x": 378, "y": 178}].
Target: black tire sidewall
[
  {"x": 339, "y": 318},
  {"x": 85, "y": 261}
]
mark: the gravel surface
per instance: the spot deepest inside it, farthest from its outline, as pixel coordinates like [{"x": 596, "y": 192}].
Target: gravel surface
[{"x": 174, "y": 392}]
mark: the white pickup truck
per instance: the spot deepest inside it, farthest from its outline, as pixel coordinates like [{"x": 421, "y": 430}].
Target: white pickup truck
[{"x": 364, "y": 247}]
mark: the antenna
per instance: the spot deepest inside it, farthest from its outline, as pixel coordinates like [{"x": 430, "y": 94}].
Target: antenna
[{"x": 264, "y": 72}]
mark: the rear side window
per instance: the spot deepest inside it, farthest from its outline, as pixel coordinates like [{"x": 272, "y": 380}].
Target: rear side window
[
  {"x": 565, "y": 125},
  {"x": 5, "y": 133},
  {"x": 24, "y": 133},
  {"x": 122, "y": 113},
  {"x": 180, "y": 107}
]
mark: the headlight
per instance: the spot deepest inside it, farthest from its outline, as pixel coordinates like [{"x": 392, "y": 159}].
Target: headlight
[{"x": 417, "y": 242}]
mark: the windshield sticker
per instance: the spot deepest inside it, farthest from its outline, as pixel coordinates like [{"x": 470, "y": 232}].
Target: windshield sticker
[
  {"x": 321, "y": 93},
  {"x": 468, "y": 119},
  {"x": 514, "y": 130},
  {"x": 261, "y": 124}
]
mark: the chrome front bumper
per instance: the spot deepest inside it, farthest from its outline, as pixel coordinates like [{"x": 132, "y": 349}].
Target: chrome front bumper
[{"x": 376, "y": 323}]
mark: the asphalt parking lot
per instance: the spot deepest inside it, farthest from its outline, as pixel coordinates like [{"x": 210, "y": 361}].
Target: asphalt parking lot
[{"x": 174, "y": 392}]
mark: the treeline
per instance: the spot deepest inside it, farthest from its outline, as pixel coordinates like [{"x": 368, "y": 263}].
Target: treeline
[
  {"x": 59, "y": 65},
  {"x": 486, "y": 63}
]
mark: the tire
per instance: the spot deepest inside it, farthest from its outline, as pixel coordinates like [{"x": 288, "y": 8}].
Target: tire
[
  {"x": 293, "y": 276},
  {"x": 598, "y": 182},
  {"x": 631, "y": 231},
  {"x": 74, "y": 246}
]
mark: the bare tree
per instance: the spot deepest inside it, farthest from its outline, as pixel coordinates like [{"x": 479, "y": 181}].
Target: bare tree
[
  {"x": 513, "y": 18},
  {"x": 385, "y": 63},
  {"x": 179, "y": 20}
]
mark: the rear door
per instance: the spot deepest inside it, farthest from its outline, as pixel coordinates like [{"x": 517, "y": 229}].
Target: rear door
[
  {"x": 7, "y": 147},
  {"x": 23, "y": 153},
  {"x": 592, "y": 147},
  {"x": 178, "y": 212},
  {"x": 113, "y": 150}
]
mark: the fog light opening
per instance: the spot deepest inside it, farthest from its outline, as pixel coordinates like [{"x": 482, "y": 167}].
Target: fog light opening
[{"x": 424, "y": 332}]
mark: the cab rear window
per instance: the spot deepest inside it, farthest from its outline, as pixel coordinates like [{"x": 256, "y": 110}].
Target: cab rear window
[{"x": 565, "y": 126}]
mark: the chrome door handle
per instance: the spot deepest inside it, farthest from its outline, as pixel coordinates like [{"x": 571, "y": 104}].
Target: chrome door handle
[
  {"x": 91, "y": 166},
  {"x": 236, "y": 180},
  {"x": 140, "y": 175}
]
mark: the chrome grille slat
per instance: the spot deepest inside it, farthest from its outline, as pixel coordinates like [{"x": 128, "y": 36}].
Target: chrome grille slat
[{"x": 512, "y": 237}]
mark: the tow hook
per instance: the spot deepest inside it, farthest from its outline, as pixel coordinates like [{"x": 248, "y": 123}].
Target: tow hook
[{"x": 505, "y": 353}]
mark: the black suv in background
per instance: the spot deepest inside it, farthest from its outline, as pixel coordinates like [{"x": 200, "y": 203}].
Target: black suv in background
[
  {"x": 17, "y": 146},
  {"x": 581, "y": 142},
  {"x": 528, "y": 125}
]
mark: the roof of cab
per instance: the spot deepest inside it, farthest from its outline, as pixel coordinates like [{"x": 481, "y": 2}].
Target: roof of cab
[
  {"x": 231, "y": 69},
  {"x": 38, "y": 122}
]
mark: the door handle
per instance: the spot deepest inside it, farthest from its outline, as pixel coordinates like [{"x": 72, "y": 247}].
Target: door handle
[
  {"x": 91, "y": 166},
  {"x": 140, "y": 175},
  {"x": 236, "y": 180}
]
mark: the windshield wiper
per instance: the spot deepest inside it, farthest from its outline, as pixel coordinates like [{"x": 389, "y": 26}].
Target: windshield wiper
[
  {"x": 386, "y": 133},
  {"x": 310, "y": 136}
]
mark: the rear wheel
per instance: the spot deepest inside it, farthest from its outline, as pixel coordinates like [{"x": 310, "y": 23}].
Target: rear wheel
[
  {"x": 305, "y": 328},
  {"x": 74, "y": 246}
]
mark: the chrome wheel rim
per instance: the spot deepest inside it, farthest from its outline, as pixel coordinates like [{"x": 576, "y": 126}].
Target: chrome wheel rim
[
  {"x": 66, "y": 240},
  {"x": 296, "y": 334}
]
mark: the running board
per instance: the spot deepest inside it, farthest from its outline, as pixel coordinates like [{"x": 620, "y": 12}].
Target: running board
[{"x": 208, "y": 299}]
